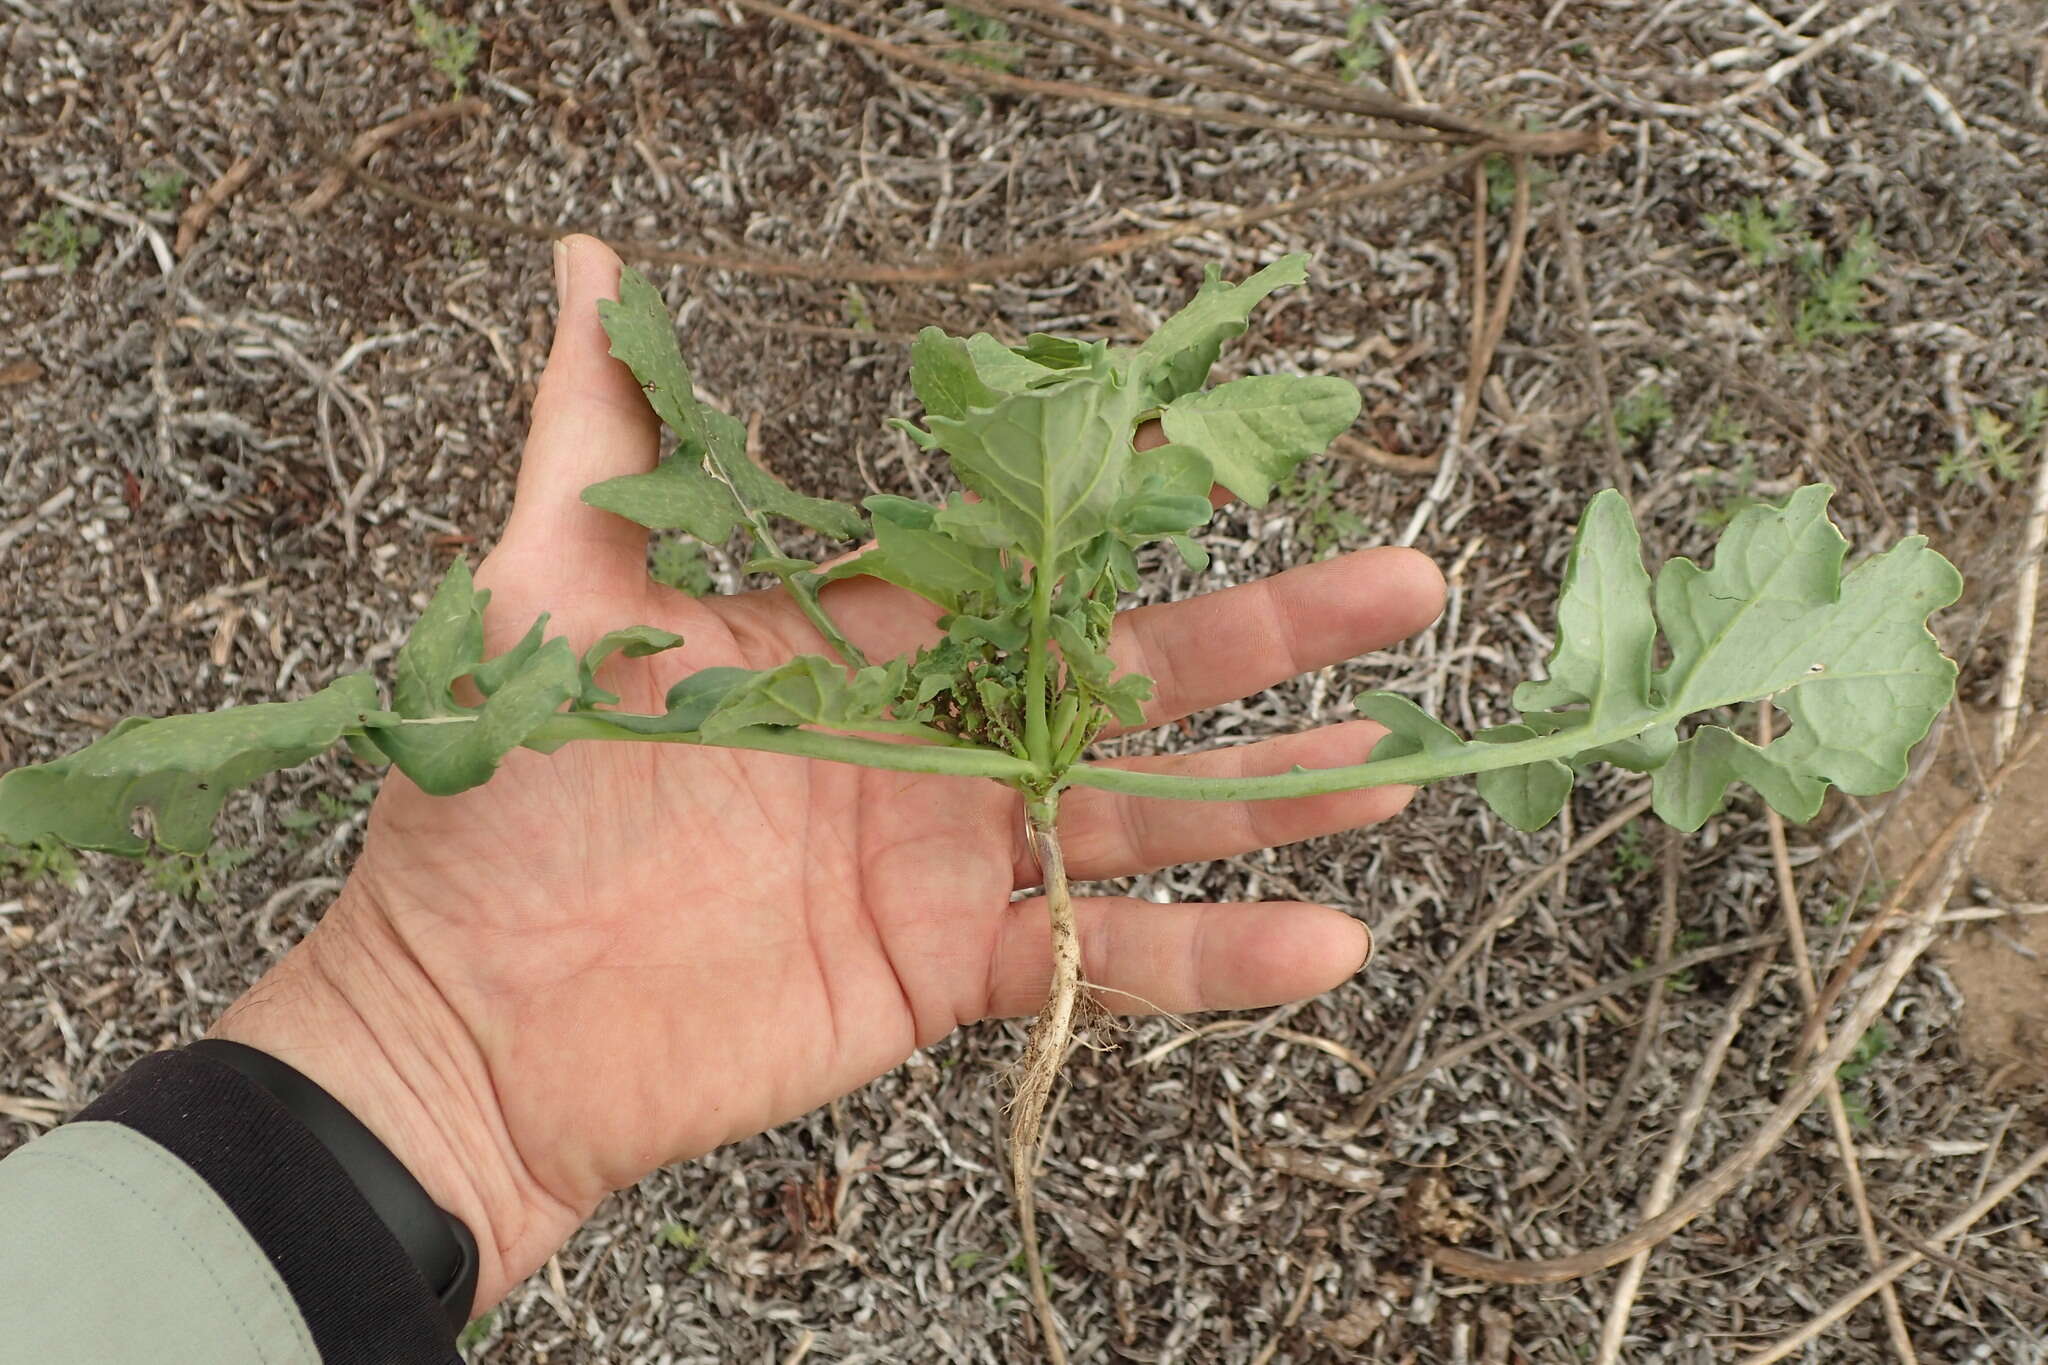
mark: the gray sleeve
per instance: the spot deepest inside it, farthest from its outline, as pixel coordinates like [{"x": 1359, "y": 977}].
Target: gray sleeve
[{"x": 114, "y": 1251}]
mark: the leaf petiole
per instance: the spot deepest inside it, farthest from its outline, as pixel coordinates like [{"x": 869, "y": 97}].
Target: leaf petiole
[
  {"x": 834, "y": 748},
  {"x": 1414, "y": 769}
]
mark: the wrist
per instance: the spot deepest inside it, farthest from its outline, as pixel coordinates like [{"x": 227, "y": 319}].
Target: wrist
[{"x": 355, "y": 1012}]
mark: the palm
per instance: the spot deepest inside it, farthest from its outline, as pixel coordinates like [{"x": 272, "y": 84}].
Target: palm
[
  {"x": 656, "y": 949},
  {"x": 768, "y": 931}
]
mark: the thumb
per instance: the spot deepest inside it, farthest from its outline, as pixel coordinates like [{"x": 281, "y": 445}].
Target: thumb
[{"x": 591, "y": 422}]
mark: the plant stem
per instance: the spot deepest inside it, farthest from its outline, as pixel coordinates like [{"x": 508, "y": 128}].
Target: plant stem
[
  {"x": 804, "y": 588},
  {"x": 869, "y": 753},
  {"x": 1037, "y": 733},
  {"x": 1415, "y": 768},
  {"x": 1050, "y": 1034}
]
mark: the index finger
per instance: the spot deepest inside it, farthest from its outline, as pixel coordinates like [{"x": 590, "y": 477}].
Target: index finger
[{"x": 1216, "y": 648}]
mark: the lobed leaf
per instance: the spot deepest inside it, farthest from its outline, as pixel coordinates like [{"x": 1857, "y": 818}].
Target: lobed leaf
[
  {"x": 179, "y": 770},
  {"x": 812, "y": 690},
  {"x": 1772, "y": 621},
  {"x": 681, "y": 493},
  {"x": 911, "y": 553},
  {"x": 439, "y": 742},
  {"x": 1049, "y": 464},
  {"x": 1176, "y": 359},
  {"x": 1256, "y": 431}
]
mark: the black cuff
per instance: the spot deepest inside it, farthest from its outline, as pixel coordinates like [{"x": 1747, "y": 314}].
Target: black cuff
[{"x": 363, "y": 1299}]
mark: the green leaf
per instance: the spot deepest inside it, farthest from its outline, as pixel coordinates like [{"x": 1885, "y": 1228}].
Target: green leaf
[
  {"x": 1255, "y": 431},
  {"x": 438, "y": 742},
  {"x": 813, "y": 690},
  {"x": 1410, "y": 729},
  {"x": 1048, "y": 463},
  {"x": 935, "y": 565},
  {"x": 677, "y": 495},
  {"x": 1167, "y": 493},
  {"x": 179, "y": 769},
  {"x": 1848, "y": 659},
  {"x": 1126, "y": 697},
  {"x": 943, "y": 374},
  {"x": 1005, "y": 370},
  {"x": 1177, "y": 358},
  {"x": 1605, "y": 631},
  {"x": 492, "y": 674},
  {"x": 1694, "y": 783},
  {"x": 635, "y": 642},
  {"x": 1087, "y": 661},
  {"x": 643, "y": 336},
  {"x": 1527, "y": 796}
]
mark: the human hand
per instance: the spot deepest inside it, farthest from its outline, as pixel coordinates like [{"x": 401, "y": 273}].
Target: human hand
[{"x": 619, "y": 956}]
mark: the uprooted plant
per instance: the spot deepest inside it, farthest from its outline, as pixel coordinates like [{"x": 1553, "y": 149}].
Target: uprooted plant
[{"x": 1027, "y": 573}]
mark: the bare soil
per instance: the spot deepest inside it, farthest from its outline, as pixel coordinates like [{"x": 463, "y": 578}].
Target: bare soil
[{"x": 232, "y": 469}]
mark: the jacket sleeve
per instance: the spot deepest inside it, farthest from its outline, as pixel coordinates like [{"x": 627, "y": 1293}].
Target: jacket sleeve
[{"x": 186, "y": 1215}]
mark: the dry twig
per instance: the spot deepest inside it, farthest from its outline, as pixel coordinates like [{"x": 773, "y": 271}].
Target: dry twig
[
  {"x": 1954, "y": 1227},
  {"x": 1838, "y": 1112},
  {"x": 1914, "y": 940},
  {"x": 370, "y": 140},
  {"x": 1048, "y": 257},
  {"x": 1510, "y": 906},
  {"x": 1564, "y": 1004},
  {"x": 1658, "y": 1198},
  {"x": 201, "y": 210}
]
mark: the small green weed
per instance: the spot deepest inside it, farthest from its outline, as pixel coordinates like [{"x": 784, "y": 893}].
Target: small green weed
[
  {"x": 1500, "y": 177},
  {"x": 1725, "y": 428},
  {"x": 474, "y": 1334},
  {"x": 1998, "y": 448},
  {"x": 967, "y": 1260},
  {"x": 39, "y": 861},
  {"x": 451, "y": 46},
  {"x": 1686, "y": 940},
  {"x": 163, "y": 188},
  {"x": 329, "y": 810},
  {"x": 57, "y": 237},
  {"x": 1833, "y": 307},
  {"x": 1360, "y": 55},
  {"x": 1324, "y": 525},
  {"x": 191, "y": 876},
  {"x": 993, "y": 50},
  {"x": 1764, "y": 236},
  {"x": 680, "y": 564},
  {"x": 1631, "y": 855},
  {"x": 855, "y": 308},
  {"x": 1869, "y": 1048},
  {"x": 1865, "y": 1054},
  {"x": 683, "y": 1237},
  {"x": 1646, "y": 408}
]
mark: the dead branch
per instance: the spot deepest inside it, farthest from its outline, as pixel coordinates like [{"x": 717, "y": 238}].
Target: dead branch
[
  {"x": 1915, "y": 939},
  {"x": 1838, "y": 1112},
  {"x": 1929, "y": 858},
  {"x": 1556, "y": 142},
  {"x": 1953, "y": 1228},
  {"x": 201, "y": 210},
  {"x": 1615, "y": 1329},
  {"x": 1646, "y": 1030},
  {"x": 370, "y": 140},
  {"x": 988, "y": 268},
  {"x": 1589, "y": 344},
  {"x": 1564, "y": 1004},
  {"x": 1510, "y": 906},
  {"x": 1308, "y": 92}
]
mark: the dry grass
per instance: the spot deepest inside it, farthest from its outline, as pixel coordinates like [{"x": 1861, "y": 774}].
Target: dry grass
[{"x": 231, "y": 462}]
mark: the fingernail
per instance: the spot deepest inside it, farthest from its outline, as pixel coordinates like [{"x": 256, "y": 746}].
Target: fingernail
[
  {"x": 1367, "y": 959},
  {"x": 561, "y": 270}
]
